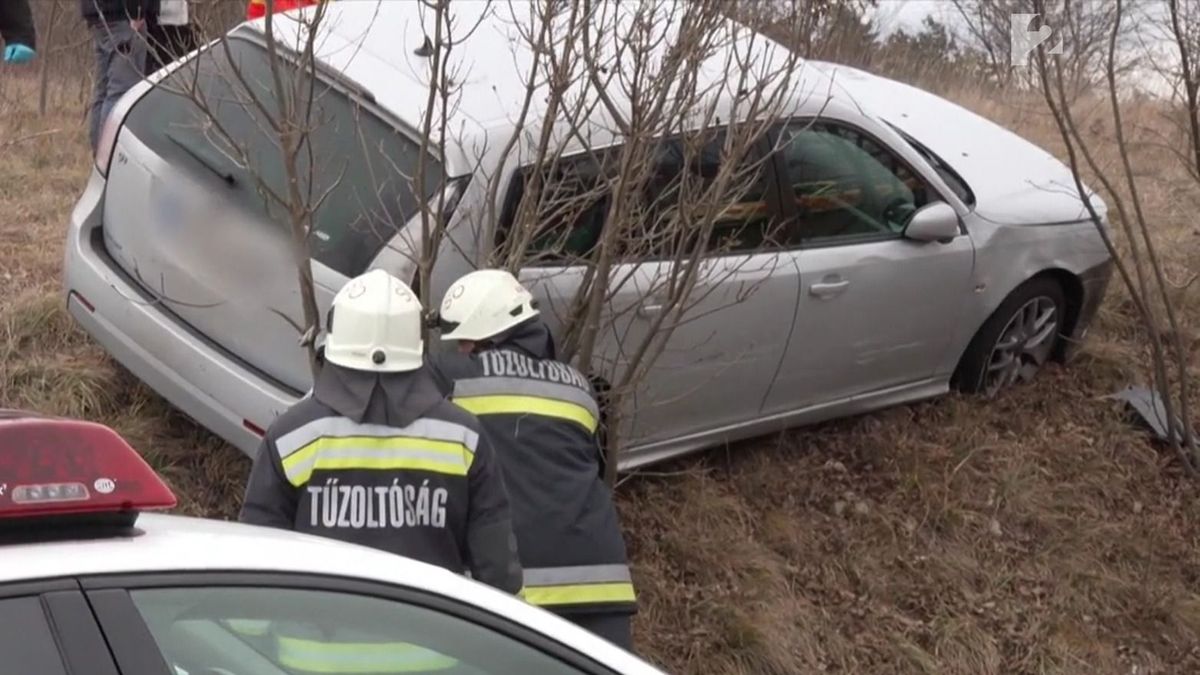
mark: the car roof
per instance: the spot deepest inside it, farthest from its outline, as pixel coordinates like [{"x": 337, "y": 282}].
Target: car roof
[
  {"x": 170, "y": 543},
  {"x": 373, "y": 44}
]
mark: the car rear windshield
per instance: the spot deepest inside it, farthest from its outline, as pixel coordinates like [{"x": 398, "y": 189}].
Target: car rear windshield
[{"x": 356, "y": 173}]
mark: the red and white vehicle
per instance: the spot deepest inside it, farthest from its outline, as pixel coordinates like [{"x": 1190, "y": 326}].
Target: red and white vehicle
[{"x": 90, "y": 583}]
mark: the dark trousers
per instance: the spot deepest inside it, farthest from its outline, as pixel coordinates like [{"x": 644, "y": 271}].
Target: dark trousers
[
  {"x": 167, "y": 44},
  {"x": 616, "y": 628},
  {"x": 120, "y": 55}
]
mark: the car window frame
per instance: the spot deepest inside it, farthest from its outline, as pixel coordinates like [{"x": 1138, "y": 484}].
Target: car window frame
[
  {"x": 761, "y": 152},
  {"x": 789, "y": 207},
  {"x": 934, "y": 160},
  {"x": 116, "y": 611},
  {"x": 72, "y": 625}
]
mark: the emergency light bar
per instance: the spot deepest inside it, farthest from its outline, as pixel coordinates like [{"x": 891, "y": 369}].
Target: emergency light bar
[{"x": 73, "y": 471}]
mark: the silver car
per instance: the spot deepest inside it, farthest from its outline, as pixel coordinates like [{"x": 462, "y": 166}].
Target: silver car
[{"x": 175, "y": 266}]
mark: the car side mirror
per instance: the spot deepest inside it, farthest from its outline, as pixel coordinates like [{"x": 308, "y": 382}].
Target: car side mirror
[{"x": 933, "y": 222}]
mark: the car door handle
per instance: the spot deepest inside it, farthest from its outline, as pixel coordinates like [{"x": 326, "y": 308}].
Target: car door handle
[{"x": 828, "y": 289}]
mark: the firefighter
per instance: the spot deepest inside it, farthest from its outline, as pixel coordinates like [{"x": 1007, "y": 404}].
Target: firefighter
[
  {"x": 17, "y": 34},
  {"x": 377, "y": 456},
  {"x": 543, "y": 418}
]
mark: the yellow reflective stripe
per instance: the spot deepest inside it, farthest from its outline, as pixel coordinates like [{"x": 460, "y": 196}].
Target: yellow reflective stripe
[
  {"x": 579, "y": 594},
  {"x": 381, "y": 454},
  {"x": 313, "y": 656},
  {"x": 528, "y": 405},
  {"x": 342, "y": 427},
  {"x": 254, "y": 627}
]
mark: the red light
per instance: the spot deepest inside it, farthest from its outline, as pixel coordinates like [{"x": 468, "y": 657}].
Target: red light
[
  {"x": 60, "y": 467},
  {"x": 84, "y": 301},
  {"x": 256, "y": 9},
  {"x": 254, "y": 428}
]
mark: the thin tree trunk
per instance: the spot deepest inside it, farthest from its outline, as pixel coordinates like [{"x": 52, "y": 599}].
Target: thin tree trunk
[{"x": 48, "y": 40}]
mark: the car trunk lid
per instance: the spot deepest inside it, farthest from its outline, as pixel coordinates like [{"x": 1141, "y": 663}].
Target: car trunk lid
[{"x": 196, "y": 206}]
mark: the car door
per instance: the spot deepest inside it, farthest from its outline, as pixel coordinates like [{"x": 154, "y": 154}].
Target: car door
[
  {"x": 876, "y": 310},
  {"x": 48, "y": 629},
  {"x": 716, "y": 367},
  {"x": 286, "y": 624}
]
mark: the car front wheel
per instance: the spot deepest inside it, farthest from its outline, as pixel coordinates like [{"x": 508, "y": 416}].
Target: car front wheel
[{"x": 1016, "y": 341}]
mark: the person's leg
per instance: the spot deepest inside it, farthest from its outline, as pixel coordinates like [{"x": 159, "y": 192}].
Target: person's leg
[
  {"x": 102, "y": 55},
  {"x": 185, "y": 40},
  {"x": 158, "y": 46},
  {"x": 188, "y": 39},
  {"x": 616, "y": 628},
  {"x": 126, "y": 66},
  {"x": 182, "y": 40}
]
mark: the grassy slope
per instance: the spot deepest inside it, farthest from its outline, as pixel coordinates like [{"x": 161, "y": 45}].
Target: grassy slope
[{"x": 1037, "y": 533}]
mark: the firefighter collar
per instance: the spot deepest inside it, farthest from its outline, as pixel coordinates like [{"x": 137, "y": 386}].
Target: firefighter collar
[{"x": 394, "y": 399}]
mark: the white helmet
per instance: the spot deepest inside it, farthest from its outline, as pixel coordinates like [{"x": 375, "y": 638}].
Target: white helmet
[
  {"x": 375, "y": 325},
  {"x": 484, "y": 304}
]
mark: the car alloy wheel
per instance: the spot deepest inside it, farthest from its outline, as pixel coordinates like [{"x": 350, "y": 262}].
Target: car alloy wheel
[{"x": 1024, "y": 346}]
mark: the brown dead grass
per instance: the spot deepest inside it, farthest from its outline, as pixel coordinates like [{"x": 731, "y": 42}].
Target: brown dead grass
[{"x": 1038, "y": 533}]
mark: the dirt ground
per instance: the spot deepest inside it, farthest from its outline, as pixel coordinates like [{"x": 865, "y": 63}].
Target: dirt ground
[{"x": 1038, "y": 533}]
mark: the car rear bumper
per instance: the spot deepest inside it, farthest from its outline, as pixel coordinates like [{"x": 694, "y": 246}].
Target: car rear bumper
[{"x": 223, "y": 395}]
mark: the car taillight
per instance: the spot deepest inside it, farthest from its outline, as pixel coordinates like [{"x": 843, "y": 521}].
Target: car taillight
[{"x": 61, "y": 469}]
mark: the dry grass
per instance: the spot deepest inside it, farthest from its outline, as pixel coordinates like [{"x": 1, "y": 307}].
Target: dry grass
[{"x": 1035, "y": 534}]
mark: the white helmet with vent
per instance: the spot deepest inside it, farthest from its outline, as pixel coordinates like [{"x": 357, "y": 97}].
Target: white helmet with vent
[
  {"x": 375, "y": 325},
  {"x": 484, "y": 304}
]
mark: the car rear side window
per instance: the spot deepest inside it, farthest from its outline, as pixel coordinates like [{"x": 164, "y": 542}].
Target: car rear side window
[
  {"x": 357, "y": 173},
  {"x": 26, "y": 643},
  {"x": 574, "y": 205}
]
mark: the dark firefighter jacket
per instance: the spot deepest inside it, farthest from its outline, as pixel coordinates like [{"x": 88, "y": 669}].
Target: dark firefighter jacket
[
  {"x": 16, "y": 24},
  {"x": 543, "y": 418},
  {"x": 385, "y": 461}
]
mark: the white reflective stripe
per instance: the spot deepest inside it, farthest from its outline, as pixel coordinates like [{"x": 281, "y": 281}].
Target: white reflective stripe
[
  {"x": 519, "y": 386},
  {"x": 579, "y": 574},
  {"x": 436, "y": 430}
]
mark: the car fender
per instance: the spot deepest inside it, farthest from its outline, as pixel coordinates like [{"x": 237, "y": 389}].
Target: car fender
[{"x": 1007, "y": 256}]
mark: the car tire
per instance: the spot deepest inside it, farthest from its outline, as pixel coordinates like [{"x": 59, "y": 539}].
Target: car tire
[{"x": 1016, "y": 341}]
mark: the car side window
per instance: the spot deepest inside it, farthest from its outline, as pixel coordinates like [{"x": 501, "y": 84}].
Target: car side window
[
  {"x": 847, "y": 187},
  {"x": 284, "y": 631},
  {"x": 26, "y": 642},
  {"x": 574, "y": 205},
  {"x": 570, "y": 209},
  {"x": 743, "y": 221}
]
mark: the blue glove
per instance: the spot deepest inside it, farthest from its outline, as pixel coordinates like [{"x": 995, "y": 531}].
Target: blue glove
[{"x": 18, "y": 54}]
